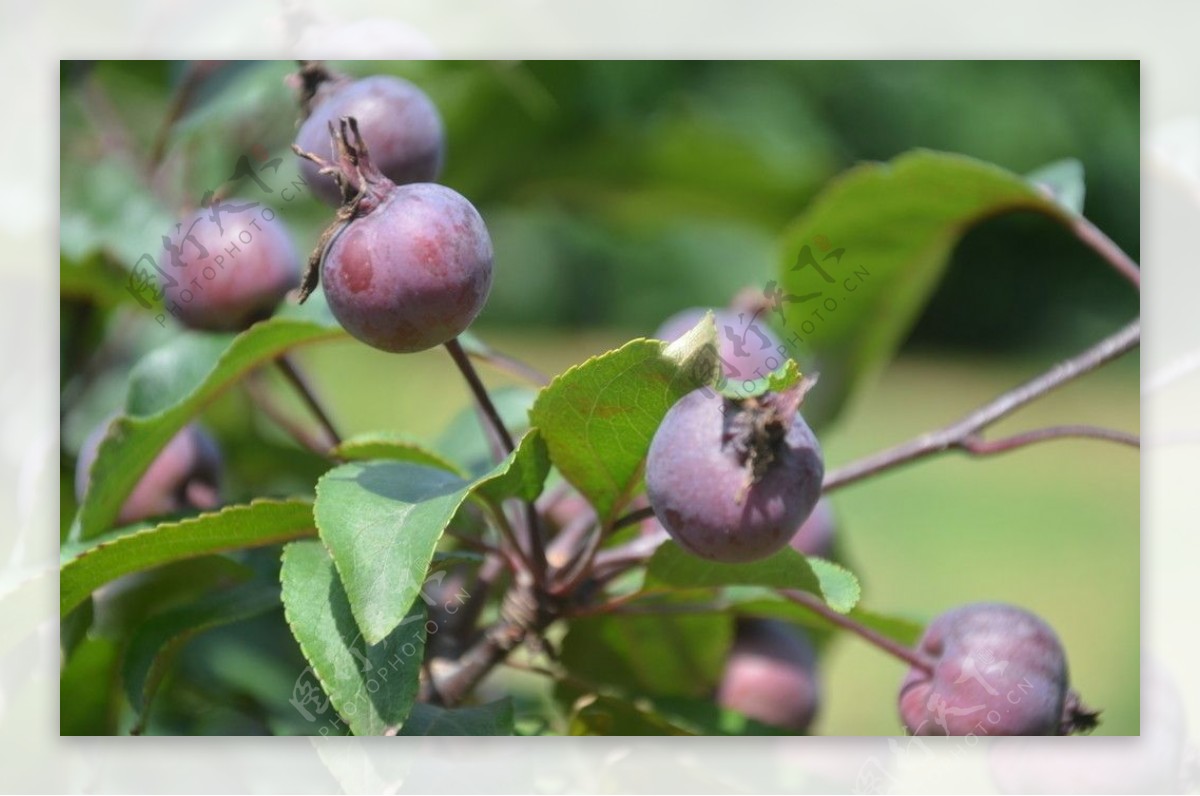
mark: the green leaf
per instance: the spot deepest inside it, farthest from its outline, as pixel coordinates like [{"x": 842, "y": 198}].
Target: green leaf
[
  {"x": 391, "y": 445},
  {"x": 522, "y": 474},
  {"x": 170, "y": 387},
  {"x": 608, "y": 715},
  {"x": 74, "y": 627},
  {"x": 1064, "y": 180},
  {"x": 88, "y": 566},
  {"x": 859, "y": 265},
  {"x": 372, "y": 686},
  {"x": 672, "y": 566},
  {"x": 598, "y": 418},
  {"x": 155, "y": 643},
  {"x": 494, "y": 718},
  {"x": 785, "y": 376},
  {"x": 658, "y": 655},
  {"x": 382, "y": 521}
]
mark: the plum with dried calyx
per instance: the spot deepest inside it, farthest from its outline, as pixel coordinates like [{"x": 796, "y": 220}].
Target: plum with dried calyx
[
  {"x": 995, "y": 669},
  {"x": 400, "y": 125},
  {"x": 732, "y": 480},
  {"x": 405, "y": 267}
]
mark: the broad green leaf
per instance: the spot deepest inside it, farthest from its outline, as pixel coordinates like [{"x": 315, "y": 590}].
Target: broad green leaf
[
  {"x": 612, "y": 714},
  {"x": 521, "y": 475},
  {"x": 652, "y": 654},
  {"x": 705, "y": 717},
  {"x": 74, "y": 627},
  {"x": 493, "y": 718},
  {"x": 598, "y": 418},
  {"x": 1064, "y": 180},
  {"x": 382, "y": 521},
  {"x": 88, "y": 566},
  {"x": 607, "y": 715},
  {"x": 154, "y": 645},
  {"x": 372, "y": 686},
  {"x": 785, "y": 376},
  {"x": 672, "y": 566},
  {"x": 391, "y": 445},
  {"x": 859, "y": 265},
  {"x": 170, "y": 387},
  {"x": 92, "y": 279}
]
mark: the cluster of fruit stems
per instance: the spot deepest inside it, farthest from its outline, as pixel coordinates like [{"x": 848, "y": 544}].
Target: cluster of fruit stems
[{"x": 549, "y": 593}]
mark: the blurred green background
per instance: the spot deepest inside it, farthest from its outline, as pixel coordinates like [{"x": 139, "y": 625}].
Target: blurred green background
[{"x": 620, "y": 192}]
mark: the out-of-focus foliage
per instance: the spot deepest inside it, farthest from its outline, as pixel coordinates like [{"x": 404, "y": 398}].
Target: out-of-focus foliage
[{"x": 620, "y": 191}]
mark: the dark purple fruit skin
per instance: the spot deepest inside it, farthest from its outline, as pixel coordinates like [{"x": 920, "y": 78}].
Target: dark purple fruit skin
[
  {"x": 815, "y": 536},
  {"x": 756, "y": 358},
  {"x": 694, "y": 482},
  {"x": 1013, "y": 672},
  {"x": 247, "y": 266},
  {"x": 185, "y": 475},
  {"x": 413, "y": 273},
  {"x": 398, "y": 122},
  {"x": 770, "y": 675}
]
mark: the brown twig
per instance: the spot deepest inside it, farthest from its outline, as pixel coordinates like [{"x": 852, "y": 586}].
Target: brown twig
[
  {"x": 982, "y": 447},
  {"x": 893, "y": 648},
  {"x": 964, "y": 434},
  {"x": 1103, "y": 245},
  {"x": 195, "y": 74},
  {"x": 292, "y": 373},
  {"x": 262, "y": 398},
  {"x": 511, "y": 366},
  {"x": 537, "y": 548},
  {"x": 482, "y": 399}
]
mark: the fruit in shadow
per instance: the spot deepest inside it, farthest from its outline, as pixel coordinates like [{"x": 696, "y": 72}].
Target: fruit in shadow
[{"x": 184, "y": 476}]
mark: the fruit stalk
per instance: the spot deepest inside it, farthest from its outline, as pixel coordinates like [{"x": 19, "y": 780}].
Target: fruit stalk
[
  {"x": 1097, "y": 241},
  {"x": 292, "y": 373},
  {"x": 896, "y": 650},
  {"x": 537, "y": 550}
]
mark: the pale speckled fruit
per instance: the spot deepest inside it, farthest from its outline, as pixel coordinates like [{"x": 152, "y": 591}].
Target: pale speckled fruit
[
  {"x": 999, "y": 670},
  {"x": 232, "y": 274},
  {"x": 413, "y": 273},
  {"x": 398, "y": 122},
  {"x": 747, "y": 346},
  {"x": 700, "y": 488},
  {"x": 185, "y": 475},
  {"x": 770, "y": 675}
]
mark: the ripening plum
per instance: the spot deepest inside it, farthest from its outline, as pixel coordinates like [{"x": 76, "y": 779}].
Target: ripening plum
[
  {"x": 399, "y": 123},
  {"x": 185, "y": 475},
  {"x": 413, "y": 273},
  {"x": 732, "y": 480},
  {"x": 227, "y": 266},
  {"x": 997, "y": 670},
  {"x": 770, "y": 675}
]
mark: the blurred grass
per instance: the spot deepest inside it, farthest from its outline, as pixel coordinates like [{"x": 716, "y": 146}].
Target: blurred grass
[{"x": 1054, "y": 528}]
